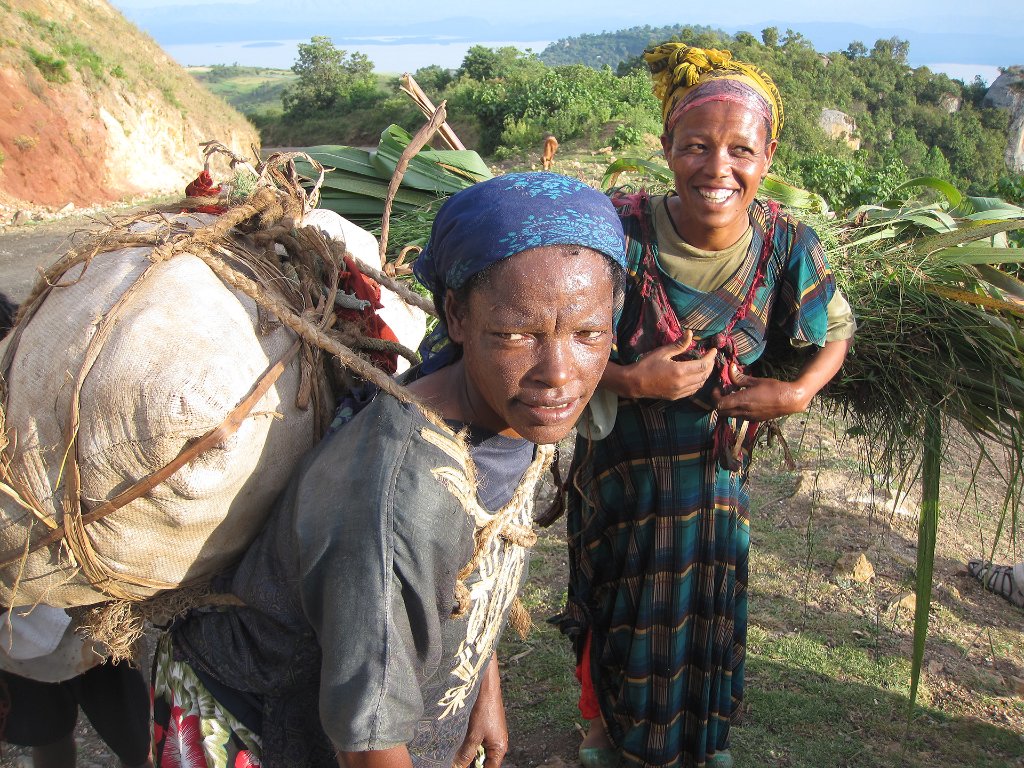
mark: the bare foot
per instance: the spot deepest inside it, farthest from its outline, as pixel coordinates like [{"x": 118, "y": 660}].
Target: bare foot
[{"x": 596, "y": 736}]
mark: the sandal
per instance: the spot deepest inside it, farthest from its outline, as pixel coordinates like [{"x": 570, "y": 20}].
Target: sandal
[
  {"x": 1004, "y": 580},
  {"x": 599, "y": 757}
]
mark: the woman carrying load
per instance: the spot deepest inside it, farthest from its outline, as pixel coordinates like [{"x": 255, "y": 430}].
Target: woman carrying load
[
  {"x": 658, "y": 517},
  {"x": 376, "y": 594}
]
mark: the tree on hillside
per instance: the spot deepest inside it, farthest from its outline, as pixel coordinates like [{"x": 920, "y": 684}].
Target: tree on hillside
[
  {"x": 328, "y": 76},
  {"x": 482, "y": 63},
  {"x": 433, "y": 78}
]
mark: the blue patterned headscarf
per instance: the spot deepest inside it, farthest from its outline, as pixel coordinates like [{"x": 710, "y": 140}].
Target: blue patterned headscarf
[{"x": 498, "y": 218}]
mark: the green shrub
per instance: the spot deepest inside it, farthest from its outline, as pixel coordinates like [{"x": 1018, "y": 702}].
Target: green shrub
[
  {"x": 170, "y": 96},
  {"x": 52, "y": 69},
  {"x": 626, "y": 135},
  {"x": 835, "y": 177},
  {"x": 521, "y": 134},
  {"x": 1011, "y": 187},
  {"x": 68, "y": 48},
  {"x": 84, "y": 58}
]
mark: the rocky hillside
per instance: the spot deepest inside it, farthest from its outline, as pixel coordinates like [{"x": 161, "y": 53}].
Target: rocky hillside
[
  {"x": 1007, "y": 92},
  {"x": 92, "y": 111}
]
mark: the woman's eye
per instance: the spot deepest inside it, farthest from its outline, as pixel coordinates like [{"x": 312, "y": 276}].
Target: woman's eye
[
  {"x": 512, "y": 336},
  {"x": 590, "y": 335}
]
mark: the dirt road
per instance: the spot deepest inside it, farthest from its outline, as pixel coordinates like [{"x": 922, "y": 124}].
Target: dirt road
[
  {"x": 27, "y": 248},
  {"x": 24, "y": 250}
]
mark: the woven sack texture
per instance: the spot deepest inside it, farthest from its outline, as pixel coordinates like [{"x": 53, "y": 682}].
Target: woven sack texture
[{"x": 185, "y": 352}]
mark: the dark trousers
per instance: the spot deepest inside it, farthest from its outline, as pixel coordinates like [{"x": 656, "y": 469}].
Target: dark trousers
[{"x": 114, "y": 697}]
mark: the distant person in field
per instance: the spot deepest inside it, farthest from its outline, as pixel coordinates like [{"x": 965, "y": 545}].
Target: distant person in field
[{"x": 550, "y": 147}]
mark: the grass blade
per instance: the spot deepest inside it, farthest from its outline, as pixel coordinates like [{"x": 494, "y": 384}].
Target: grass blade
[{"x": 927, "y": 529}]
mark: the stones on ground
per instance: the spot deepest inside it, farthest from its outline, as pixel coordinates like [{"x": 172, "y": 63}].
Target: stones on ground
[
  {"x": 1016, "y": 686},
  {"x": 553, "y": 762},
  {"x": 853, "y": 566},
  {"x": 886, "y": 501},
  {"x": 948, "y": 590},
  {"x": 905, "y": 601}
]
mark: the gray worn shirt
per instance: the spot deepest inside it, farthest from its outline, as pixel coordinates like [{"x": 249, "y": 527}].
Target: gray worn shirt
[{"x": 350, "y": 590}]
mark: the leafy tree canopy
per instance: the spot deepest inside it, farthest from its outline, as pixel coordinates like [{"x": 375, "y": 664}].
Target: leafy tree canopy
[{"x": 328, "y": 76}]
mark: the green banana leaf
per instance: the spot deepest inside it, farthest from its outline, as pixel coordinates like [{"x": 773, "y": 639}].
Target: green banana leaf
[
  {"x": 951, "y": 193},
  {"x": 356, "y": 181},
  {"x": 425, "y": 171},
  {"x": 657, "y": 171}
]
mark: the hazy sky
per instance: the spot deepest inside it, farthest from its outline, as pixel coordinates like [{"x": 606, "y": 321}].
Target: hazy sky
[
  {"x": 936, "y": 15},
  {"x": 978, "y": 36}
]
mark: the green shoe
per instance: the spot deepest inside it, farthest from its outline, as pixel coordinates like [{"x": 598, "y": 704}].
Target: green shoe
[
  {"x": 721, "y": 759},
  {"x": 599, "y": 757}
]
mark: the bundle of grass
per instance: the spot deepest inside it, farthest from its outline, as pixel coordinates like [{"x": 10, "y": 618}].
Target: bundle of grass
[
  {"x": 939, "y": 351},
  {"x": 940, "y": 323}
]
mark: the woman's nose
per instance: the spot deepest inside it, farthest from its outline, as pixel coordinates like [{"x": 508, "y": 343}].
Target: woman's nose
[
  {"x": 720, "y": 163},
  {"x": 555, "y": 367}
]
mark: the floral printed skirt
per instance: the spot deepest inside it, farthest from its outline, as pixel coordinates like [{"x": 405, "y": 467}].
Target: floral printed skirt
[{"x": 190, "y": 727}]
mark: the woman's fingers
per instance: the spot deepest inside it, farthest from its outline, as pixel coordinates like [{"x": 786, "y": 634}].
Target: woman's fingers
[
  {"x": 689, "y": 375},
  {"x": 760, "y": 399},
  {"x": 662, "y": 374}
]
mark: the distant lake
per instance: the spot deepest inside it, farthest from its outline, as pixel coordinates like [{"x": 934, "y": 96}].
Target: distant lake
[
  {"x": 387, "y": 55},
  {"x": 395, "y": 54}
]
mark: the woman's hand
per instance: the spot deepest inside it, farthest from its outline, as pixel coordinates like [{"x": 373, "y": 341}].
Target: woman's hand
[
  {"x": 487, "y": 726},
  {"x": 659, "y": 375},
  {"x": 762, "y": 399}
]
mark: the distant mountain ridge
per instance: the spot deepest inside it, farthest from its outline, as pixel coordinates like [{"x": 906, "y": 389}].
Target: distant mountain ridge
[
  {"x": 970, "y": 38},
  {"x": 991, "y": 48}
]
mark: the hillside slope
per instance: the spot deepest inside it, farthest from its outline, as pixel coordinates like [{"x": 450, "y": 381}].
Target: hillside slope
[{"x": 93, "y": 111}]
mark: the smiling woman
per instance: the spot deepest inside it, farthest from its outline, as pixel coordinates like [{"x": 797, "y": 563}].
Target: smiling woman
[
  {"x": 377, "y": 592},
  {"x": 658, "y": 521}
]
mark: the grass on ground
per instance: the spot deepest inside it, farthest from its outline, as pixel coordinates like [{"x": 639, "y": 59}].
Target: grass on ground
[{"x": 828, "y": 662}]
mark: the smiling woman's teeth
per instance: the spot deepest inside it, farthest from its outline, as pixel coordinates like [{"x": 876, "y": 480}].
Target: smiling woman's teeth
[{"x": 716, "y": 195}]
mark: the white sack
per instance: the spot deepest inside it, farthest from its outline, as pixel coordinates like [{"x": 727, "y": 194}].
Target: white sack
[{"x": 186, "y": 351}]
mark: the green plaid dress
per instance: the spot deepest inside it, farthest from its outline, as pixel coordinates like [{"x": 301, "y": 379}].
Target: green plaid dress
[{"x": 659, "y": 530}]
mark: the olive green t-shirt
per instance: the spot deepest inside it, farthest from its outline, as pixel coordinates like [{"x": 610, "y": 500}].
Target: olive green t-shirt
[{"x": 709, "y": 270}]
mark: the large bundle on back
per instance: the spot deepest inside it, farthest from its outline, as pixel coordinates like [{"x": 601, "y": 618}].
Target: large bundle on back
[{"x": 159, "y": 389}]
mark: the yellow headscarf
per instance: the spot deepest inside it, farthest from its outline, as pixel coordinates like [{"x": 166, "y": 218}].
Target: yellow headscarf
[{"x": 677, "y": 69}]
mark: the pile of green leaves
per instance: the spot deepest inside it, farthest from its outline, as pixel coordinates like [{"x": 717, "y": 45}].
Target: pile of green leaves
[{"x": 356, "y": 182}]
